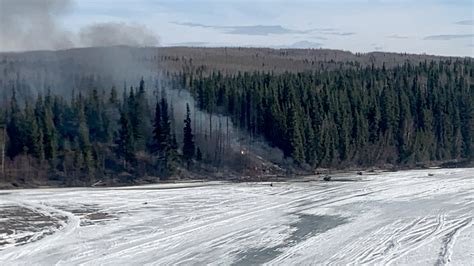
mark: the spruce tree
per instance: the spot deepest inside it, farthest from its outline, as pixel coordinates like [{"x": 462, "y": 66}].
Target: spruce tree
[
  {"x": 188, "y": 142},
  {"x": 84, "y": 143},
  {"x": 125, "y": 141},
  {"x": 141, "y": 118},
  {"x": 157, "y": 134},
  {"x": 296, "y": 137},
  {"x": 50, "y": 134},
  {"x": 198, "y": 155},
  {"x": 33, "y": 134},
  {"x": 14, "y": 129}
]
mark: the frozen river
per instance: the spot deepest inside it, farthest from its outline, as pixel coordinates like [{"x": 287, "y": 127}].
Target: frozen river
[{"x": 407, "y": 217}]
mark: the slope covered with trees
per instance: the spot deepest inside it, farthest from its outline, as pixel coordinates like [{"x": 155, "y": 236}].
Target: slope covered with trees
[
  {"x": 37, "y": 71},
  {"x": 359, "y": 116},
  {"x": 90, "y": 137},
  {"x": 350, "y": 116}
]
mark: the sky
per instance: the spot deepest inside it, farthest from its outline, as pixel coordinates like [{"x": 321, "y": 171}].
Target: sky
[{"x": 439, "y": 27}]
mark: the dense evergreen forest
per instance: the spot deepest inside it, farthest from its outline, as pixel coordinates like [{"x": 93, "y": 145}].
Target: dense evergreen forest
[
  {"x": 358, "y": 116},
  {"x": 348, "y": 117},
  {"x": 94, "y": 136}
]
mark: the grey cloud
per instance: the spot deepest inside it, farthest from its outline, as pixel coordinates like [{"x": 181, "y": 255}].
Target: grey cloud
[
  {"x": 297, "y": 45},
  {"x": 396, "y": 36},
  {"x": 465, "y": 22},
  {"x": 447, "y": 37},
  {"x": 340, "y": 33},
  {"x": 302, "y": 45},
  {"x": 264, "y": 30},
  {"x": 331, "y": 31},
  {"x": 326, "y": 30},
  {"x": 261, "y": 30},
  {"x": 190, "y": 44},
  {"x": 377, "y": 47},
  {"x": 190, "y": 24}
]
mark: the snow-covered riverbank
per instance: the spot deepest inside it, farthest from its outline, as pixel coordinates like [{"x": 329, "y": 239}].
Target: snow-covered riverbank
[{"x": 403, "y": 217}]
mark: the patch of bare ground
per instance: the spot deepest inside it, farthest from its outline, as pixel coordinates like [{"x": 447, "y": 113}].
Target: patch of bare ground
[
  {"x": 20, "y": 225},
  {"x": 89, "y": 214}
]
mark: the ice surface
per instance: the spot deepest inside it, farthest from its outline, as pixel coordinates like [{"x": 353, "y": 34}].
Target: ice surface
[{"x": 404, "y": 217}]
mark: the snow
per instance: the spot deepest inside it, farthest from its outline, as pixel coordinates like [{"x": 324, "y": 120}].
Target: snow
[{"x": 405, "y": 217}]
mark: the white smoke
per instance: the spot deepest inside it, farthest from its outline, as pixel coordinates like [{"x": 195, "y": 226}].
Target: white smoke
[
  {"x": 216, "y": 134},
  {"x": 33, "y": 25},
  {"x": 113, "y": 33}
]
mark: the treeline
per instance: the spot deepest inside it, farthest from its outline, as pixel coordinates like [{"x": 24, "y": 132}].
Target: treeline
[
  {"x": 95, "y": 136},
  {"x": 361, "y": 116}
]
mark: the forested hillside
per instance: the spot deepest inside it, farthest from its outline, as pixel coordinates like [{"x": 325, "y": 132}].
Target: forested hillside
[
  {"x": 37, "y": 71},
  {"x": 109, "y": 137},
  {"x": 364, "y": 116},
  {"x": 178, "y": 122}
]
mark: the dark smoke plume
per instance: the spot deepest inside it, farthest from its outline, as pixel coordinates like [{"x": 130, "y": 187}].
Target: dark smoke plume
[{"x": 36, "y": 25}]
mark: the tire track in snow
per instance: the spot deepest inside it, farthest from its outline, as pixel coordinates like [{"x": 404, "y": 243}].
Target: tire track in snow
[
  {"x": 393, "y": 241},
  {"x": 379, "y": 231},
  {"x": 424, "y": 230},
  {"x": 143, "y": 244},
  {"x": 449, "y": 240}
]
